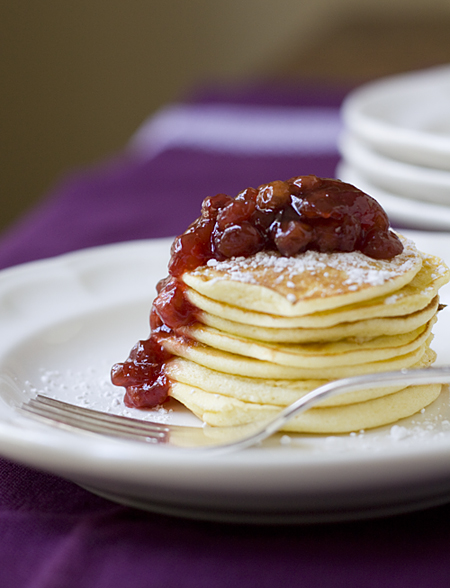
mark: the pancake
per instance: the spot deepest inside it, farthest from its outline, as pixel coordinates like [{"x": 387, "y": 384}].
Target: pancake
[
  {"x": 231, "y": 363},
  {"x": 348, "y": 351},
  {"x": 412, "y": 297},
  {"x": 272, "y": 392},
  {"x": 305, "y": 283},
  {"x": 217, "y": 410},
  {"x": 377, "y": 326}
]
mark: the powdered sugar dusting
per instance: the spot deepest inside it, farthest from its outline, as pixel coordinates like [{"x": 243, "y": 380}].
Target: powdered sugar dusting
[{"x": 355, "y": 268}]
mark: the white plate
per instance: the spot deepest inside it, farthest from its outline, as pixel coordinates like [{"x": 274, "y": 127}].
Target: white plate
[
  {"x": 403, "y": 211},
  {"x": 410, "y": 181},
  {"x": 66, "y": 320},
  {"x": 406, "y": 117}
]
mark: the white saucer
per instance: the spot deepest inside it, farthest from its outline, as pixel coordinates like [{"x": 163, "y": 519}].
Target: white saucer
[
  {"x": 410, "y": 181},
  {"x": 65, "y": 321},
  {"x": 406, "y": 117}
]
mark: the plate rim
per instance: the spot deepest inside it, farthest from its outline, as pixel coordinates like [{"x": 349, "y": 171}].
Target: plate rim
[{"x": 423, "y": 145}]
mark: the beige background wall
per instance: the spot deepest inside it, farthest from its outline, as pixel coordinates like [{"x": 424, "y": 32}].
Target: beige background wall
[{"x": 77, "y": 78}]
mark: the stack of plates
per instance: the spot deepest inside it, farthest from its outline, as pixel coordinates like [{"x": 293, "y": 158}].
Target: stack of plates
[{"x": 396, "y": 146}]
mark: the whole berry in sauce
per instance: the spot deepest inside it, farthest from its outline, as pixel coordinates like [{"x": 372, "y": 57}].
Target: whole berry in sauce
[
  {"x": 292, "y": 236},
  {"x": 273, "y": 196}
]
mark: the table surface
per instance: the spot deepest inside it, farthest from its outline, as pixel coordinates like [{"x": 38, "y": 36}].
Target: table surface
[{"x": 56, "y": 534}]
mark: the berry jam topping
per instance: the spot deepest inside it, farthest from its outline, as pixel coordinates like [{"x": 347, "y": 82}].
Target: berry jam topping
[
  {"x": 303, "y": 213},
  {"x": 143, "y": 375},
  {"x": 171, "y": 310},
  {"x": 306, "y": 212}
]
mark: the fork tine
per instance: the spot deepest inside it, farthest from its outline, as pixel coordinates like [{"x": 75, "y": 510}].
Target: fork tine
[{"x": 65, "y": 415}]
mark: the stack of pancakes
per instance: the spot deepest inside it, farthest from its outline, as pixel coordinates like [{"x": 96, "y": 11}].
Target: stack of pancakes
[{"x": 272, "y": 328}]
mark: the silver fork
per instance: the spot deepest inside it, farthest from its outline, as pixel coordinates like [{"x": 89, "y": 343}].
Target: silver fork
[{"x": 216, "y": 439}]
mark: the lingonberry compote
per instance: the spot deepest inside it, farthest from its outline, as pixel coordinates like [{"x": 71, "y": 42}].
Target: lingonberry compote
[{"x": 305, "y": 212}]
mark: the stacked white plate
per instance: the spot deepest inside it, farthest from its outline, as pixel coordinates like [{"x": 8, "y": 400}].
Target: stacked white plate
[{"x": 396, "y": 146}]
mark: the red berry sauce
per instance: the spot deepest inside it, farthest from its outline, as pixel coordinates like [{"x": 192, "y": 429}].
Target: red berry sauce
[{"x": 306, "y": 212}]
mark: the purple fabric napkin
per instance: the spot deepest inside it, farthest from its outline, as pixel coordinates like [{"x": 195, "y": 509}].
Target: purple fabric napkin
[{"x": 54, "y": 534}]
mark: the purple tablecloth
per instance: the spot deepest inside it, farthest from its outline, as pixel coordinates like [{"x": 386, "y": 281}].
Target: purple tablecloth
[{"x": 54, "y": 534}]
